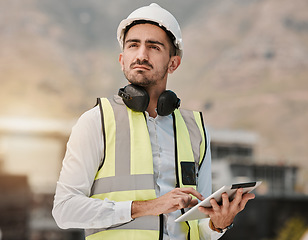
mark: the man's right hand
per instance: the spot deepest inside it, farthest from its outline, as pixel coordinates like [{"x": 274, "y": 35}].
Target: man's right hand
[{"x": 176, "y": 199}]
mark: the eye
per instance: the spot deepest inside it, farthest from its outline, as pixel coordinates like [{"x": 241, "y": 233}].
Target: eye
[
  {"x": 155, "y": 47},
  {"x": 132, "y": 45}
]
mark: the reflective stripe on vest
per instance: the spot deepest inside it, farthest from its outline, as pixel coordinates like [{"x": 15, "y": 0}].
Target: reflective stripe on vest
[
  {"x": 127, "y": 141},
  {"x": 127, "y": 171}
]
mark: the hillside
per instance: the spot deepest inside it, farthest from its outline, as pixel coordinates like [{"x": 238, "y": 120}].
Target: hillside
[
  {"x": 250, "y": 68},
  {"x": 245, "y": 63}
]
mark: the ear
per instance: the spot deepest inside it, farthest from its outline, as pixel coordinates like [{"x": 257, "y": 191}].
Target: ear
[
  {"x": 121, "y": 61},
  {"x": 174, "y": 63}
]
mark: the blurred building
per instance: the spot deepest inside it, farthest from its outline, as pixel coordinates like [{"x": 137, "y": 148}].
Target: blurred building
[
  {"x": 233, "y": 160},
  {"x": 15, "y": 199},
  {"x": 31, "y": 152},
  {"x": 277, "y": 206}
]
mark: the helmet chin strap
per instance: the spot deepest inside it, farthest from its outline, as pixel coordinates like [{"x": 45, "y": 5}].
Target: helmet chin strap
[{"x": 136, "y": 98}]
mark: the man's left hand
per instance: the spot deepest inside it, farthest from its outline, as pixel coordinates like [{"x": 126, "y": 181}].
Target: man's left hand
[{"x": 223, "y": 215}]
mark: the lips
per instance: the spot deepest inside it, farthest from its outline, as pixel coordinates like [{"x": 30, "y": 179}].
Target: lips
[{"x": 143, "y": 67}]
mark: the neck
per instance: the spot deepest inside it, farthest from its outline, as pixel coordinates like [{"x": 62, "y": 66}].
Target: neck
[
  {"x": 152, "y": 109},
  {"x": 154, "y": 94}
]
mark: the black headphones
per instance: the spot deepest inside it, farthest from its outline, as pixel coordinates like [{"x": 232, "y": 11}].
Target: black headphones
[{"x": 136, "y": 98}]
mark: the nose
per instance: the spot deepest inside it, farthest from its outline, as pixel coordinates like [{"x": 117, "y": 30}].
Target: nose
[{"x": 142, "y": 53}]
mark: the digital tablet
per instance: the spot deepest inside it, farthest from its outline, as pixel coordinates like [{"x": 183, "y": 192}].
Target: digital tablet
[{"x": 194, "y": 213}]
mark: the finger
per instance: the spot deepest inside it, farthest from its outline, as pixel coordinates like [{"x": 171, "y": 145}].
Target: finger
[
  {"x": 238, "y": 197},
  {"x": 206, "y": 210},
  {"x": 184, "y": 200},
  {"x": 193, "y": 192},
  {"x": 215, "y": 205},
  {"x": 246, "y": 198},
  {"x": 249, "y": 196},
  {"x": 193, "y": 202},
  {"x": 225, "y": 200}
]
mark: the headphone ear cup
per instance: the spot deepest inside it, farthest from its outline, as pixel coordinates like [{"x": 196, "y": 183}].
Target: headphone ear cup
[
  {"x": 167, "y": 103},
  {"x": 136, "y": 97}
]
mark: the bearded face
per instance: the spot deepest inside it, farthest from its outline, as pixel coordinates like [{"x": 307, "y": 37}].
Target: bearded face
[{"x": 146, "y": 56}]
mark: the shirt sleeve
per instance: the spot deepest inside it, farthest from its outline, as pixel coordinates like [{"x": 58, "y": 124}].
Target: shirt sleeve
[
  {"x": 204, "y": 186},
  {"x": 73, "y": 208},
  {"x": 206, "y": 233}
]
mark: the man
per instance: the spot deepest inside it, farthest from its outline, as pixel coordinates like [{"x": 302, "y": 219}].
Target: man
[{"x": 135, "y": 162}]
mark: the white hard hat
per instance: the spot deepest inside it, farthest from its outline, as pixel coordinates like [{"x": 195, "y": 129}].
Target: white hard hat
[{"x": 157, "y": 14}]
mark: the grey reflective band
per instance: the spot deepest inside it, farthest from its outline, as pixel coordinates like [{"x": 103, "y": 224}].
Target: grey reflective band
[
  {"x": 141, "y": 223},
  {"x": 122, "y": 146},
  {"x": 194, "y": 133},
  {"x": 122, "y": 183}
]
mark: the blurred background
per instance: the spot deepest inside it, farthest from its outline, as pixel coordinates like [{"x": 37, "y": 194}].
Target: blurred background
[{"x": 245, "y": 66}]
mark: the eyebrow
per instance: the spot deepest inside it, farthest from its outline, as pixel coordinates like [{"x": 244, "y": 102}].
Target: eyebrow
[{"x": 147, "y": 41}]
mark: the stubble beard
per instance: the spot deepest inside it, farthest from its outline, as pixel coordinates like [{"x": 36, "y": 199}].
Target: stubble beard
[{"x": 140, "y": 77}]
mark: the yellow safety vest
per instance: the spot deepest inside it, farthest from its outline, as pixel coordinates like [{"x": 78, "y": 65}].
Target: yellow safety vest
[{"x": 127, "y": 166}]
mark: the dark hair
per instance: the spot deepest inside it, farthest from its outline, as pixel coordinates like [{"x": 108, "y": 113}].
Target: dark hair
[{"x": 169, "y": 34}]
